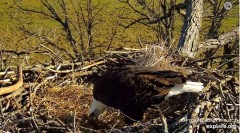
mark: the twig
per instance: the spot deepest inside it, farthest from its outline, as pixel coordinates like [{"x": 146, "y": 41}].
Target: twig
[
  {"x": 12, "y": 88},
  {"x": 34, "y": 122},
  {"x": 52, "y": 52},
  {"x": 63, "y": 125},
  {"x": 164, "y": 122},
  {"x": 74, "y": 122},
  {"x": 7, "y": 73},
  {"x": 1, "y": 109},
  {"x": 215, "y": 57},
  {"x": 17, "y": 92},
  {"x": 94, "y": 64}
]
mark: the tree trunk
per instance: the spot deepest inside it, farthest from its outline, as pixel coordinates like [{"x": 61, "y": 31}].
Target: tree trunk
[
  {"x": 190, "y": 31},
  {"x": 89, "y": 28}
]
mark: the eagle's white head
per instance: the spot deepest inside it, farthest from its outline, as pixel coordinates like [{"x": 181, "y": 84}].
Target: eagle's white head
[{"x": 97, "y": 108}]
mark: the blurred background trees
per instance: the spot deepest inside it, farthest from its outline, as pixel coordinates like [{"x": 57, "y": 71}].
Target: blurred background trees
[{"x": 54, "y": 31}]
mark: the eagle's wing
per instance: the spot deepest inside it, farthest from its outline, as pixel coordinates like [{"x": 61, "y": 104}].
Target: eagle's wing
[
  {"x": 150, "y": 83},
  {"x": 164, "y": 75},
  {"x": 167, "y": 83},
  {"x": 163, "y": 80}
]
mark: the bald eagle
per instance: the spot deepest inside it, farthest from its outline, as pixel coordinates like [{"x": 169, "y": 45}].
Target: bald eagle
[{"x": 133, "y": 89}]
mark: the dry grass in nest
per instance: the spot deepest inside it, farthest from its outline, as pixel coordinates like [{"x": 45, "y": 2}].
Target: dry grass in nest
[
  {"x": 161, "y": 57},
  {"x": 63, "y": 103}
]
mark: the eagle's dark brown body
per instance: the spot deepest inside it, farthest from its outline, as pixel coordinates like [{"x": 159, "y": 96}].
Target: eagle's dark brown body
[{"x": 132, "y": 89}]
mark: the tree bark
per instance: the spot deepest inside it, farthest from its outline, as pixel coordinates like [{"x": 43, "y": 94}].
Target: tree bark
[{"x": 190, "y": 31}]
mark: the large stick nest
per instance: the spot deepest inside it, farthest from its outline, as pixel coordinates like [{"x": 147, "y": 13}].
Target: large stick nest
[{"x": 57, "y": 98}]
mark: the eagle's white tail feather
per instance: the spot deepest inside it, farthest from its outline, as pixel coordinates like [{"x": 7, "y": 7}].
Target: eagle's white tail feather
[
  {"x": 193, "y": 87},
  {"x": 194, "y": 83}
]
